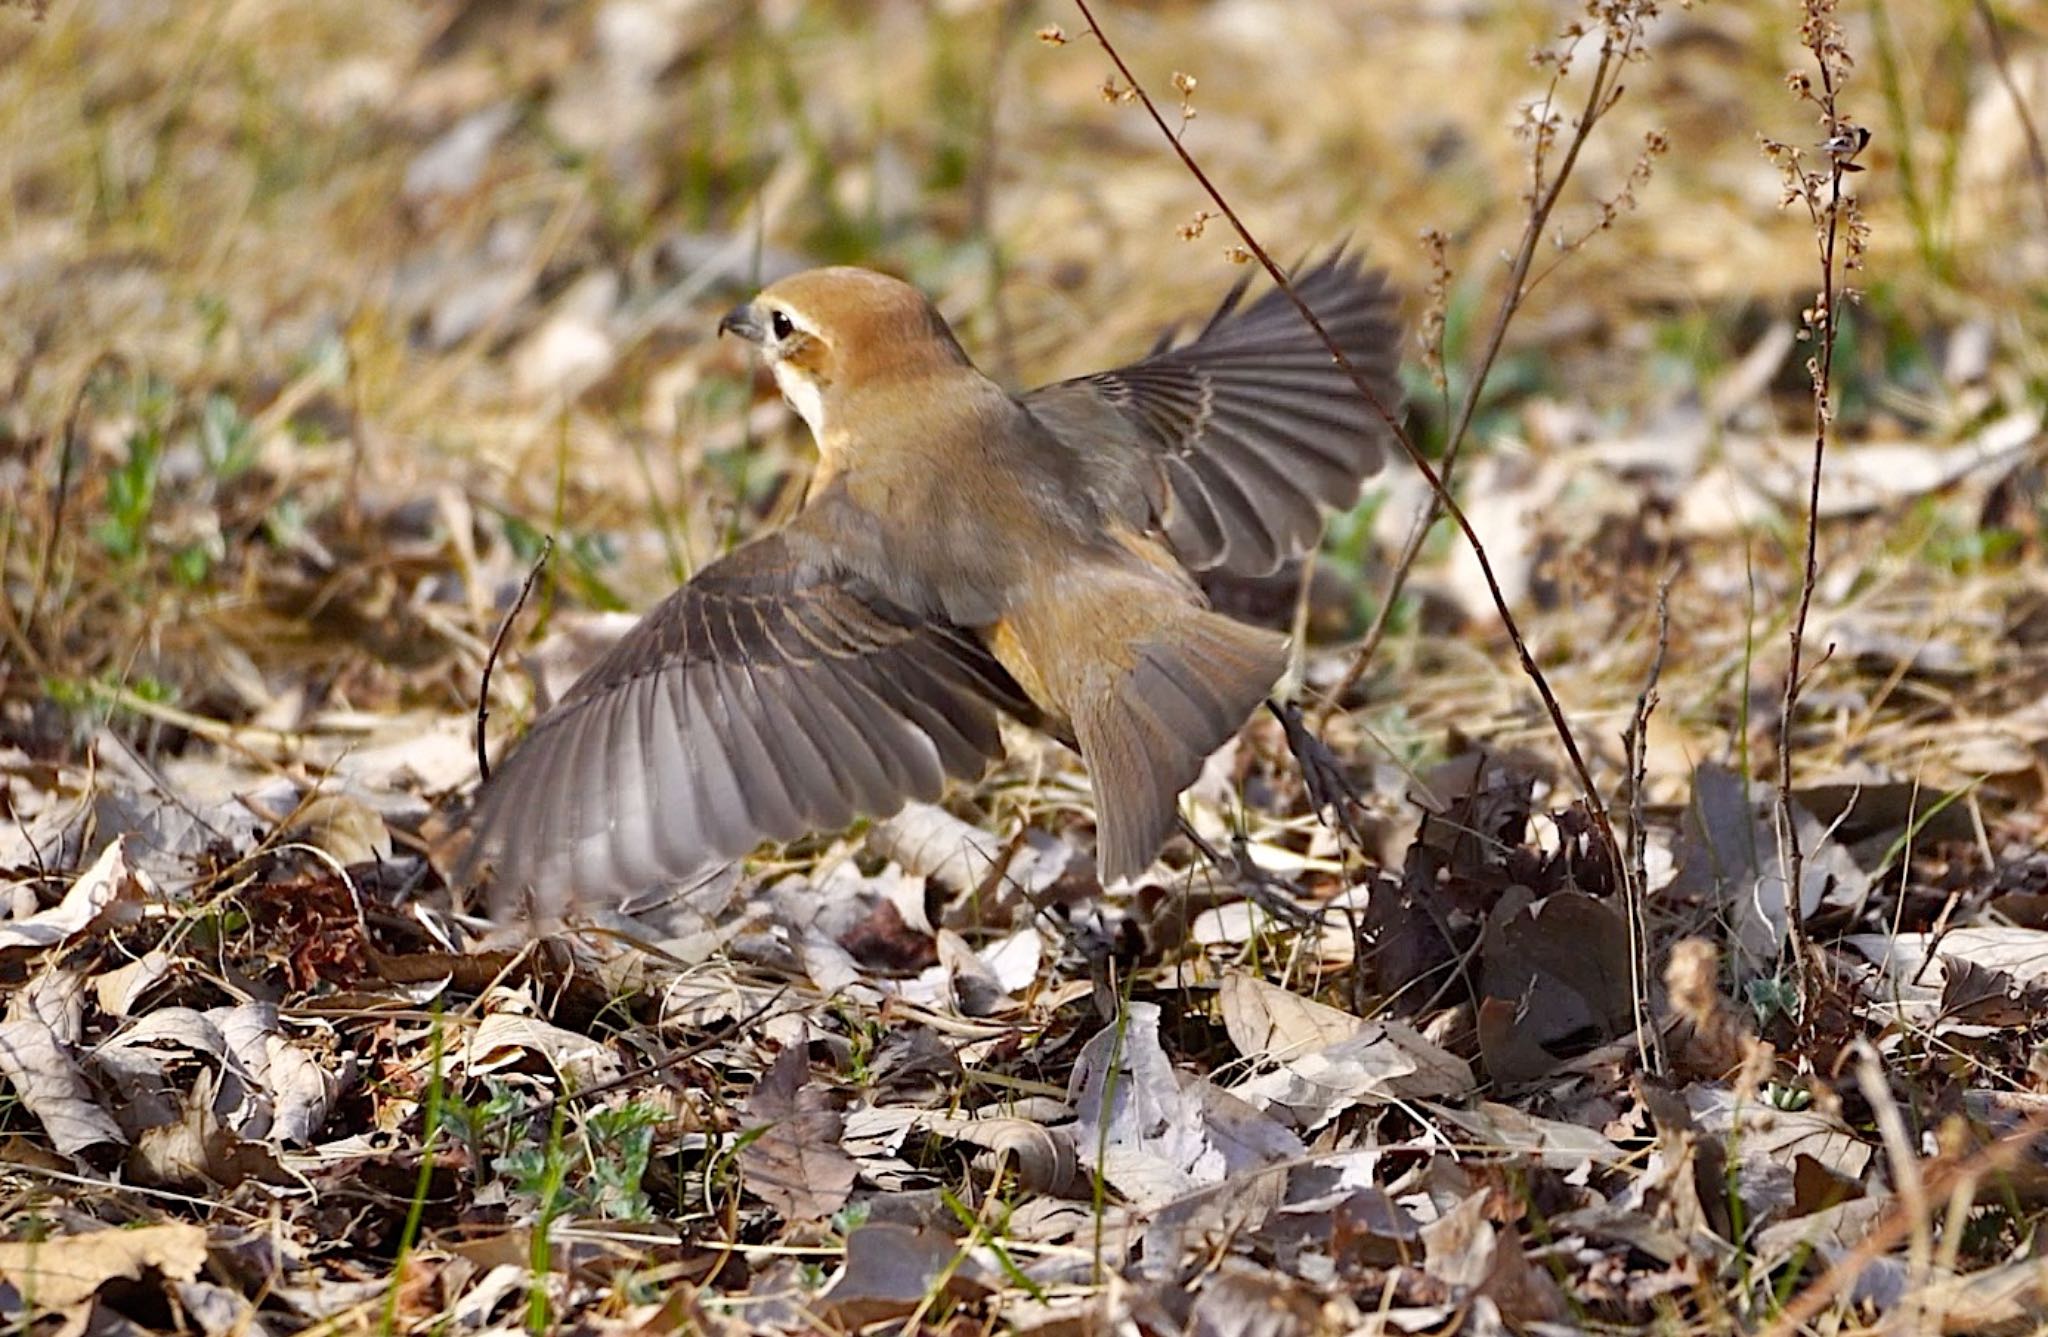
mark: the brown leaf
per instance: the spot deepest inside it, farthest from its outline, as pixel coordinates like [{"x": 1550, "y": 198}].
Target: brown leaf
[
  {"x": 1986, "y": 996},
  {"x": 1243, "y": 1300},
  {"x": 57, "y": 1275},
  {"x": 1474, "y": 1257},
  {"x": 1562, "y": 964},
  {"x": 1816, "y": 1188},
  {"x": 892, "y": 1270},
  {"x": 880, "y": 940},
  {"x": 1730, "y": 860},
  {"x": 198, "y": 1152},
  {"x": 796, "y": 1165}
]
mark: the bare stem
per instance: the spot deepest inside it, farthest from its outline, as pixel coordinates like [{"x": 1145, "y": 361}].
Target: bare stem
[
  {"x": 1601, "y": 94},
  {"x": 483, "y": 691},
  {"x": 1636, "y": 874},
  {"x": 1559, "y": 723},
  {"x": 1844, "y": 140},
  {"x": 2037, "y": 157}
]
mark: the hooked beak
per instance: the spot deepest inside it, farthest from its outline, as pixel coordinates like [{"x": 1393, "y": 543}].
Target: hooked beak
[{"x": 740, "y": 320}]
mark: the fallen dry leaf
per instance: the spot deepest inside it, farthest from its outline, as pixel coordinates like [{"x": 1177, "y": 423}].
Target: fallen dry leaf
[
  {"x": 894, "y": 1270},
  {"x": 796, "y": 1164},
  {"x": 91, "y": 895},
  {"x": 1326, "y": 1060},
  {"x": 57, "y": 1275},
  {"x": 53, "y": 1089},
  {"x": 1561, "y": 967}
]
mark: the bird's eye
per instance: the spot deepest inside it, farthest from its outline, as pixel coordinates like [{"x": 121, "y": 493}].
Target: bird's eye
[{"x": 780, "y": 325}]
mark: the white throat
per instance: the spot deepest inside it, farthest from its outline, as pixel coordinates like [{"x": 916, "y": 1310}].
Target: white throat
[{"x": 801, "y": 393}]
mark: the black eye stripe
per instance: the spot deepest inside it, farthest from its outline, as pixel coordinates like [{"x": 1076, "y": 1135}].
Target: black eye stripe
[{"x": 780, "y": 325}]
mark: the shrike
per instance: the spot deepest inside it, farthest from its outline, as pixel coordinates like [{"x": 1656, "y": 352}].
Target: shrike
[{"x": 961, "y": 552}]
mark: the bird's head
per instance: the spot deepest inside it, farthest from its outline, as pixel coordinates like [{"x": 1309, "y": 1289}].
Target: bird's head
[{"x": 833, "y": 336}]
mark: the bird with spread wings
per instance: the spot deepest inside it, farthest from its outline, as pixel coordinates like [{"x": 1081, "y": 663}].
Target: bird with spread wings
[{"x": 962, "y": 553}]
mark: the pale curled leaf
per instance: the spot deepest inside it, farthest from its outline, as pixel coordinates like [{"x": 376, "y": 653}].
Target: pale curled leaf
[
  {"x": 1557, "y": 1145},
  {"x": 344, "y": 826},
  {"x": 504, "y": 1039},
  {"x": 56, "y": 1275},
  {"x": 930, "y": 842},
  {"x": 1265, "y": 1021},
  {"x": 53, "y": 1089},
  {"x": 119, "y": 989},
  {"x": 1328, "y": 1060},
  {"x": 96, "y": 890},
  {"x": 298, "y": 1091},
  {"x": 1042, "y": 1158},
  {"x": 1901, "y": 958},
  {"x": 1764, "y": 1132},
  {"x": 1134, "y": 1126},
  {"x": 55, "y": 996},
  {"x": 1156, "y": 1138}
]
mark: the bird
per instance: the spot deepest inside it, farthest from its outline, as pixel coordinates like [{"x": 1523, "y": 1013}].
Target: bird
[{"x": 961, "y": 553}]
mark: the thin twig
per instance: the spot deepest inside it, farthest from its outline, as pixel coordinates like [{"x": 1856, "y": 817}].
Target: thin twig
[
  {"x": 1387, "y": 415},
  {"x": 1636, "y": 874},
  {"x": 1601, "y": 96},
  {"x": 981, "y": 183},
  {"x": 2037, "y": 159},
  {"x": 66, "y": 441},
  {"x": 1845, "y": 139},
  {"x": 483, "y": 691}
]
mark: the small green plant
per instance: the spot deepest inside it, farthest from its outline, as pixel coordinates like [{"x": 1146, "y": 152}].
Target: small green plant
[
  {"x": 1780, "y": 1096},
  {"x": 475, "y": 1121},
  {"x": 432, "y": 1112},
  {"x": 1772, "y": 996},
  {"x": 94, "y": 701},
  {"x": 616, "y": 1144},
  {"x": 864, "y": 1036},
  {"x": 619, "y": 1142},
  {"x": 190, "y": 565},
  {"x": 851, "y": 1217},
  {"x": 131, "y": 491},
  {"x": 227, "y": 440}
]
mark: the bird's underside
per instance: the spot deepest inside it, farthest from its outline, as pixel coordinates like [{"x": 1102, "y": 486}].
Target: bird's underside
[{"x": 787, "y": 690}]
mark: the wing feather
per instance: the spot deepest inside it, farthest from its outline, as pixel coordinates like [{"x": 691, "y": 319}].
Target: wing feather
[
  {"x": 1258, "y": 426},
  {"x": 772, "y": 695}
]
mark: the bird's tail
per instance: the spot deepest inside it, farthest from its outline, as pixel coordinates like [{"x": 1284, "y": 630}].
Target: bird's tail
[{"x": 1193, "y": 678}]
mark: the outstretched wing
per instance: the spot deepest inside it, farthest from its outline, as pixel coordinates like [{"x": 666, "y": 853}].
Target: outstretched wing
[
  {"x": 763, "y": 700},
  {"x": 1252, "y": 424}
]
